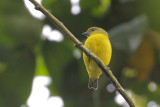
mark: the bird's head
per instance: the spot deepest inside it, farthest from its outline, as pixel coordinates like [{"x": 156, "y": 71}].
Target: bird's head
[{"x": 94, "y": 30}]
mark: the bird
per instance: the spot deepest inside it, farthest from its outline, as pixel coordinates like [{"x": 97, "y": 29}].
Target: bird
[{"x": 98, "y": 43}]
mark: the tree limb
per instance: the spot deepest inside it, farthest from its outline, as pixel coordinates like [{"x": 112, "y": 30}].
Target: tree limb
[{"x": 79, "y": 45}]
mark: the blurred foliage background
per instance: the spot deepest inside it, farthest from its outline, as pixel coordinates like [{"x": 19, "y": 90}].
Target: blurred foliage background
[{"x": 25, "y": 52}]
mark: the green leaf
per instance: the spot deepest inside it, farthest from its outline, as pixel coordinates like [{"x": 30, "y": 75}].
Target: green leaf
[
  {"x": 41, "y": 68},
  {"x": 128, "y": 36},
  {"x": 101, "y": 9},
  {"x": 97, "y": 8}
]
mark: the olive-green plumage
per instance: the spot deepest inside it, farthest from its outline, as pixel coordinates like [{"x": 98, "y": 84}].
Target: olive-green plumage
[{"x": 97, "y": 42}]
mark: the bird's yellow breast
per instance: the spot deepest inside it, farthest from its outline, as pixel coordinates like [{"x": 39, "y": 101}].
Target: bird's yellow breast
[{"x": 100, "y": 45}]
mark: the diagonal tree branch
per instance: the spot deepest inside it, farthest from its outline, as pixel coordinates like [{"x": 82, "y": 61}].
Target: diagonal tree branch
[{"x": 79, "y": 45}]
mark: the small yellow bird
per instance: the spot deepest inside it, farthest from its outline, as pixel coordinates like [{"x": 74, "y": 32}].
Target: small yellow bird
[{"x": 97, "y": 42}]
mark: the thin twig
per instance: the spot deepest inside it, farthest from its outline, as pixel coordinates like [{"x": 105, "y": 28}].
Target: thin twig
[{"x": 79, "y": 45}]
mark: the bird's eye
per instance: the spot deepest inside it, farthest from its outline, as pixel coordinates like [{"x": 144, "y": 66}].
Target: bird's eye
[{"x": 93, "y": 29}]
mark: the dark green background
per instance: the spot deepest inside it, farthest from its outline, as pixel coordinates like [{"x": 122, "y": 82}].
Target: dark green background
[{"x": 20, "y": 35}]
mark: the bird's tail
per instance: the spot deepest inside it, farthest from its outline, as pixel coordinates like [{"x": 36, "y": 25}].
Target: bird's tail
[{"x": 93, "y": 84}]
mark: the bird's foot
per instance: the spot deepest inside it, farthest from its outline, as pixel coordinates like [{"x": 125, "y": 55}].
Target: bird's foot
[
  {"x": 89, "y": 52},
  {"x": 108, "y": 67}
]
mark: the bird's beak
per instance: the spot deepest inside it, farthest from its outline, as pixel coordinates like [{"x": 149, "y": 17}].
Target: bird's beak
[{"x": 86, "y": 33}]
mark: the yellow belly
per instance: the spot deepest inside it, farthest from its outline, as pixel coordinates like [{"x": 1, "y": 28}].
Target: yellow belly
[{"x": 100, "y": 45}]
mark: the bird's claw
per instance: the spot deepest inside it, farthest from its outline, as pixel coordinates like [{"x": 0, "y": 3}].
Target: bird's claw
[
  {"x": 108, "y": 68},
  {"x": 89, "y": 52}
]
